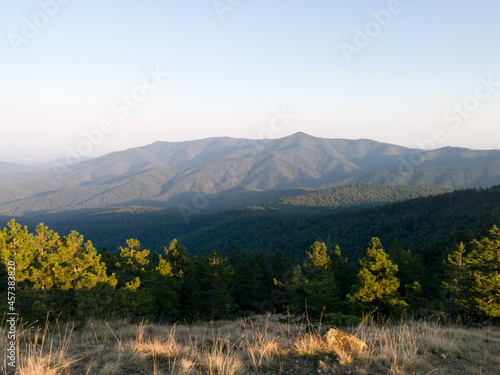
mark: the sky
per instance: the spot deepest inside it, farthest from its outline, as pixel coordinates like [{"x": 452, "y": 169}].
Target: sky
[{"x": 86, "y": 78}]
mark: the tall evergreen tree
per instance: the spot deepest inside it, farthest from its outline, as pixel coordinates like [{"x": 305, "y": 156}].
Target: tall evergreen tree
[
  {"x": 322, "y": 289},
  {"x": 214, "y": 280},
  {"x": 311, "y": 288},
  {"x": 474, "y": 279},
  {"x": 176, "y": 255},
  {"x": 377, "y": 285},
  {"x": 263, "y": 278},
  {"x": 246, "y": 288},
  {"x": 296, "y": 289},
  {"x": 412, "y": 275},
  {"x": 345, "y": 273},
  {"x": 134, "y": 298}
]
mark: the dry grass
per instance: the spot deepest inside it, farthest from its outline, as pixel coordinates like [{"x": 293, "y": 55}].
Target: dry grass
[
  {"x": 260, "y": 345},
  {"x": 44, "y": 352},
  {"x": 159, "y": 346},
  {"x": 222, "y": 359},
  {"x": 421, "y": 347}
]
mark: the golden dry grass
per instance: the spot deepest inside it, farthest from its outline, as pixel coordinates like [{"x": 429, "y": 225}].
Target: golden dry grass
[
  {"x": 44, "y": 352},
  {"x": 261, "y": 345}
]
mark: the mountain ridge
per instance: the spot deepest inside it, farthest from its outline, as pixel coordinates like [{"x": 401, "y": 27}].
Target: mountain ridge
[
  {"x": 166, "y": 174},
  {"x": 11, "y": 168}
]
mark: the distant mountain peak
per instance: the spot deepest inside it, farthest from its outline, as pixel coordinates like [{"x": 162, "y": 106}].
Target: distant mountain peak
[{"x": 301, "y": 135}]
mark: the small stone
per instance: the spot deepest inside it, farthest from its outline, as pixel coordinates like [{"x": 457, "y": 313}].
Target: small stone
[{"x": 343, "y": 340}]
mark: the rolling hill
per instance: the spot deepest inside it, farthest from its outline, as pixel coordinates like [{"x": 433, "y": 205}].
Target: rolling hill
[
  {"x": 196, "y": 173},
  {"x": 10, "y": 168}
]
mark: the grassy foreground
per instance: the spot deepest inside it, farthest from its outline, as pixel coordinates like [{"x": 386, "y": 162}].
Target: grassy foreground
[{"x": 261, "y": 345}]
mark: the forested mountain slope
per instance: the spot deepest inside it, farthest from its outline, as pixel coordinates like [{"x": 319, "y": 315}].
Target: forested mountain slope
[
  {"x": 426, "y": 224},
  {"x": 359, "y": 195},
  {"x": 165, "y": 174}
]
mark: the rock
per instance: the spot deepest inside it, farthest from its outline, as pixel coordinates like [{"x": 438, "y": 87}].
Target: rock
[{"x": 336, "y": 338}]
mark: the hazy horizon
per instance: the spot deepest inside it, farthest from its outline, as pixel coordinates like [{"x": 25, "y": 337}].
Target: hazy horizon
[
  {"x": 95, "y": 78},
  {"x": 47, "y": 160}
]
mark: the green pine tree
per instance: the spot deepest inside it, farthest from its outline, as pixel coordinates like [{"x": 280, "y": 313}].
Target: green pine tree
[
  {"x": 134, "y": 298},
  {"x": 311, "y": 289},
  {"x": 322, "y": 289},
  {"x": 377, "y": 286},
  {"x": 296, "y": 289},
  {"x": 412, "y": 276},
  {"x": 214, "y": 281},
  {"x": 55, "y": 275},
  {"x": 474, "y": 279}
]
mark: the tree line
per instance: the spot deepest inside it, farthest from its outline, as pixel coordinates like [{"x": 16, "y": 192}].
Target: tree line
[{"x": 66, "y": 278}]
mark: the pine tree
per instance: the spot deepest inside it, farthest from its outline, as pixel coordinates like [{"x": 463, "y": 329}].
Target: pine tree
[
  {"x": 134, "y": 298},
  {"x": 263, "y": 279},
  {"x": 296, "y": 289},
  {"x": 455, "y": 274},
  {"x": 412, "y": 275},
  {"x": 474, "y": 279},
  {"x": 214, "y": 280},
  {"x": 345, "y": 272},
  {"x": 318, "y": 257},
  {"x": 55, "y": 275},
  {"x": 246, "y": 287},
  {"x": 377, "y": 285},
  {"x": 76, "y": 265},
  {"x": 134, "y": 254},
  {"x": 311, "y": 289},
  {"x": 322, "y": 289},
  {"x": 166, "y": 281},
  {"x": 190, "y": 292},
  {"x": 15, "y": 245},
  {"x": 176, "y": 255}
]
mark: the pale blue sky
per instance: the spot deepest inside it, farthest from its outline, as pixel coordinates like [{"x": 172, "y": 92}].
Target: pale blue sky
[{"x": 226, "y": 77}]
